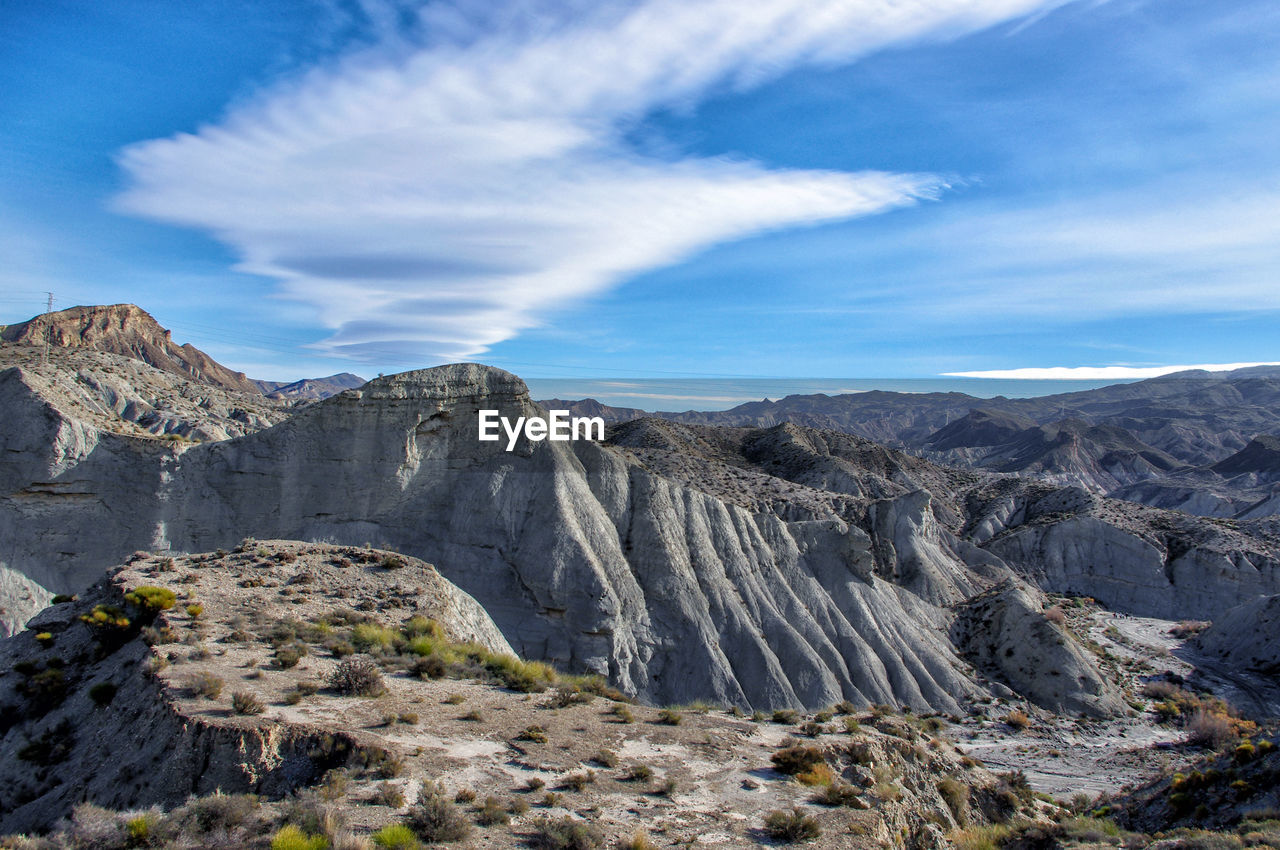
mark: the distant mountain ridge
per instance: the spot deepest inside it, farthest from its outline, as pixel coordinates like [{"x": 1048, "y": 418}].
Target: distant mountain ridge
[
  {"x": 311, "y": 389},
  {"x": 1165, "y": 441}
]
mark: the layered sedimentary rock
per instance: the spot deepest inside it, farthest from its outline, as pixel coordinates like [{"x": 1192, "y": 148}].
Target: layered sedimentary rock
[{"x": 762, "y": 568}]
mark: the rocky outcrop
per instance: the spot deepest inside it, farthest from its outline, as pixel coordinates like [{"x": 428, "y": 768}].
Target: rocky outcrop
[
  {"x": 88, "y": 716},
  {"x": 1006, "y": 634},
  {"x": 762, "y": 568},
  {"x": 129, "y": 331},
  {"x": 1246, "y": 638}
]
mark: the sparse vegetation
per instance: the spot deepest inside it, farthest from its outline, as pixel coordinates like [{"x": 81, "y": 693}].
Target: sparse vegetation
[
  {"x": 566, "y": 834},
  {"x": 243, "y": 702},
  {"x": 357, "y": 677},
  {"x": 791, "y": 827}
]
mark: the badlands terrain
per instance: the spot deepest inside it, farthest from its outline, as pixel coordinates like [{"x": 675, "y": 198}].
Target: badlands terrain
[{"x": 849, "y": 621}]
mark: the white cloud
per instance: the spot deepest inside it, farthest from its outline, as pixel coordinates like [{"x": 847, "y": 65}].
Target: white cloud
[
  {"x": 441, "y": 191},
  {"x": 1099, "y": 373}
]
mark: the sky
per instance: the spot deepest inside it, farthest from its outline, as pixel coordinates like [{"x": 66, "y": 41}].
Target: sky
[{"x": 654, "y": 189}]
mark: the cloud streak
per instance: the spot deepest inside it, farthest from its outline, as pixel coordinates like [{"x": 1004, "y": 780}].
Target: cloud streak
[{"x": 448, "y": 187}]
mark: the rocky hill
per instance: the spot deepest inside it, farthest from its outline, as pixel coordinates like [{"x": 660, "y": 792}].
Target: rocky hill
[
  {"x": 128, "y": 331},
  {"x": 235, "y": 673},
  {"x": 764, "y": 568}
]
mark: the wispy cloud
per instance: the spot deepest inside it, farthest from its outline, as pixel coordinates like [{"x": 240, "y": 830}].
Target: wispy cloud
[
  {"x": 1099, "y": 373},
  {"x": 442, "y": 190}
]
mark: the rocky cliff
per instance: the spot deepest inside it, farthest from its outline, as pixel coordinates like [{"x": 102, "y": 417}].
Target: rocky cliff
[
  {"x": 763, "y": 568},
  {"x": 128, "y": 331}
]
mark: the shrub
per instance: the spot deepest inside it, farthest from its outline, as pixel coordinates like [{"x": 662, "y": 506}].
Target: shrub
[
  {"x": 492, "y": 813},
  {"x": 536, "y": 734},
  {"x": 396, "y": 836},
  {"x": 437, "y": 821},
  {"x": 195, "y": 610},
  {"x": 578, "y": 781},
  {"x": 334, "y": 785},
  {"x": 818, "y": 774},
  {"x": 291, "y": 838},
  {"x": 289, "y": 655},
  {"x": 429, "y": 667},
  {"x": 812, "y": 729},
  {"x": 45, "y": 690},
  {"x": 243, "y": 702},
  {"x": 420, "y": 626},
  {"x": 465, "y": 796},
  {"x": 1017, "y": 720},
  {"x": 605, "y": 758},
  {"x": 852, "y": 726},
  {"x": 791, "y": 827},
  {"x": 473, "y": 716},
  {"x": 670, "y": 717},
  {"x": 566, "y": 834},
  {"x": 1209, "y": 729},
  {"x": 357, "y": 677},
  {"x": 956, "y": 795},
  {"x": 1055, "y": 615},
  {"x": 534, "y": 783},
  {"x": 623, "y": 713},
  {"x": 637, "y": 773},
  {"x": 45, "y": 639},
  {"x": 785, "y": 716},
  {"x": 392, "y": 562},
  {"x": 839, "y": 794},
  {"x": 455, "y": 699},
  {"x": 796, "y": 760},
  {"x": 151, "y": 600},
  {"x": 205, "y": 684},
  {"x": 638, "y": 841},
  {"x": 388, "y": 795},
  {"x": 103, "y": 693},
  {"x": 367, "y": 636}
]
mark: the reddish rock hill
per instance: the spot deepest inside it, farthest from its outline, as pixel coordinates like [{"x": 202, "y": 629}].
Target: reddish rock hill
[{"x": 130, "y": 331}]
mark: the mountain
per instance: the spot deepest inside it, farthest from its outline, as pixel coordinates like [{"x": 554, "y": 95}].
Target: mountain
[
  {"x": 765, "y": 568},
  {"x": 310, "y": 389},
  {"x": 1137, "y": 441},
  {"x": 129, "y": 331}
]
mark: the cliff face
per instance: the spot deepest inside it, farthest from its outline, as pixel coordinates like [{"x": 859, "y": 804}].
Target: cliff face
[
  {"x": 759, "y": 568},
  {"x": 129, "y": 331}
]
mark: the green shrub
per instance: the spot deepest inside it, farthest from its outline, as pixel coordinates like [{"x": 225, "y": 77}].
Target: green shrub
[
  {"x": 367, "y": 636},
  {"x": 151, "y": 600},
  {"x": 45, "y": 639},
  {"x": 670, "y": 717},
  {"x": 291, "y": 838},
  {"x": 396, "y": 836},
  {"x": 243, "y": 702},
  {"x": 785, "y": 716},
  {"x": 420, "y": 626},
  {"x": 536, "y": 734},
  {"x": 791, "y": 827},
  {"x": 623, "y": 713}
]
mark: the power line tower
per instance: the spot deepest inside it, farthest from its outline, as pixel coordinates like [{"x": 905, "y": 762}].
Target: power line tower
[{"x": 48, "y": 308}]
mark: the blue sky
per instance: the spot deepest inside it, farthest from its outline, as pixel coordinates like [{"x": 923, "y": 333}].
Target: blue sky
[{"x": 787, "y": 188}]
